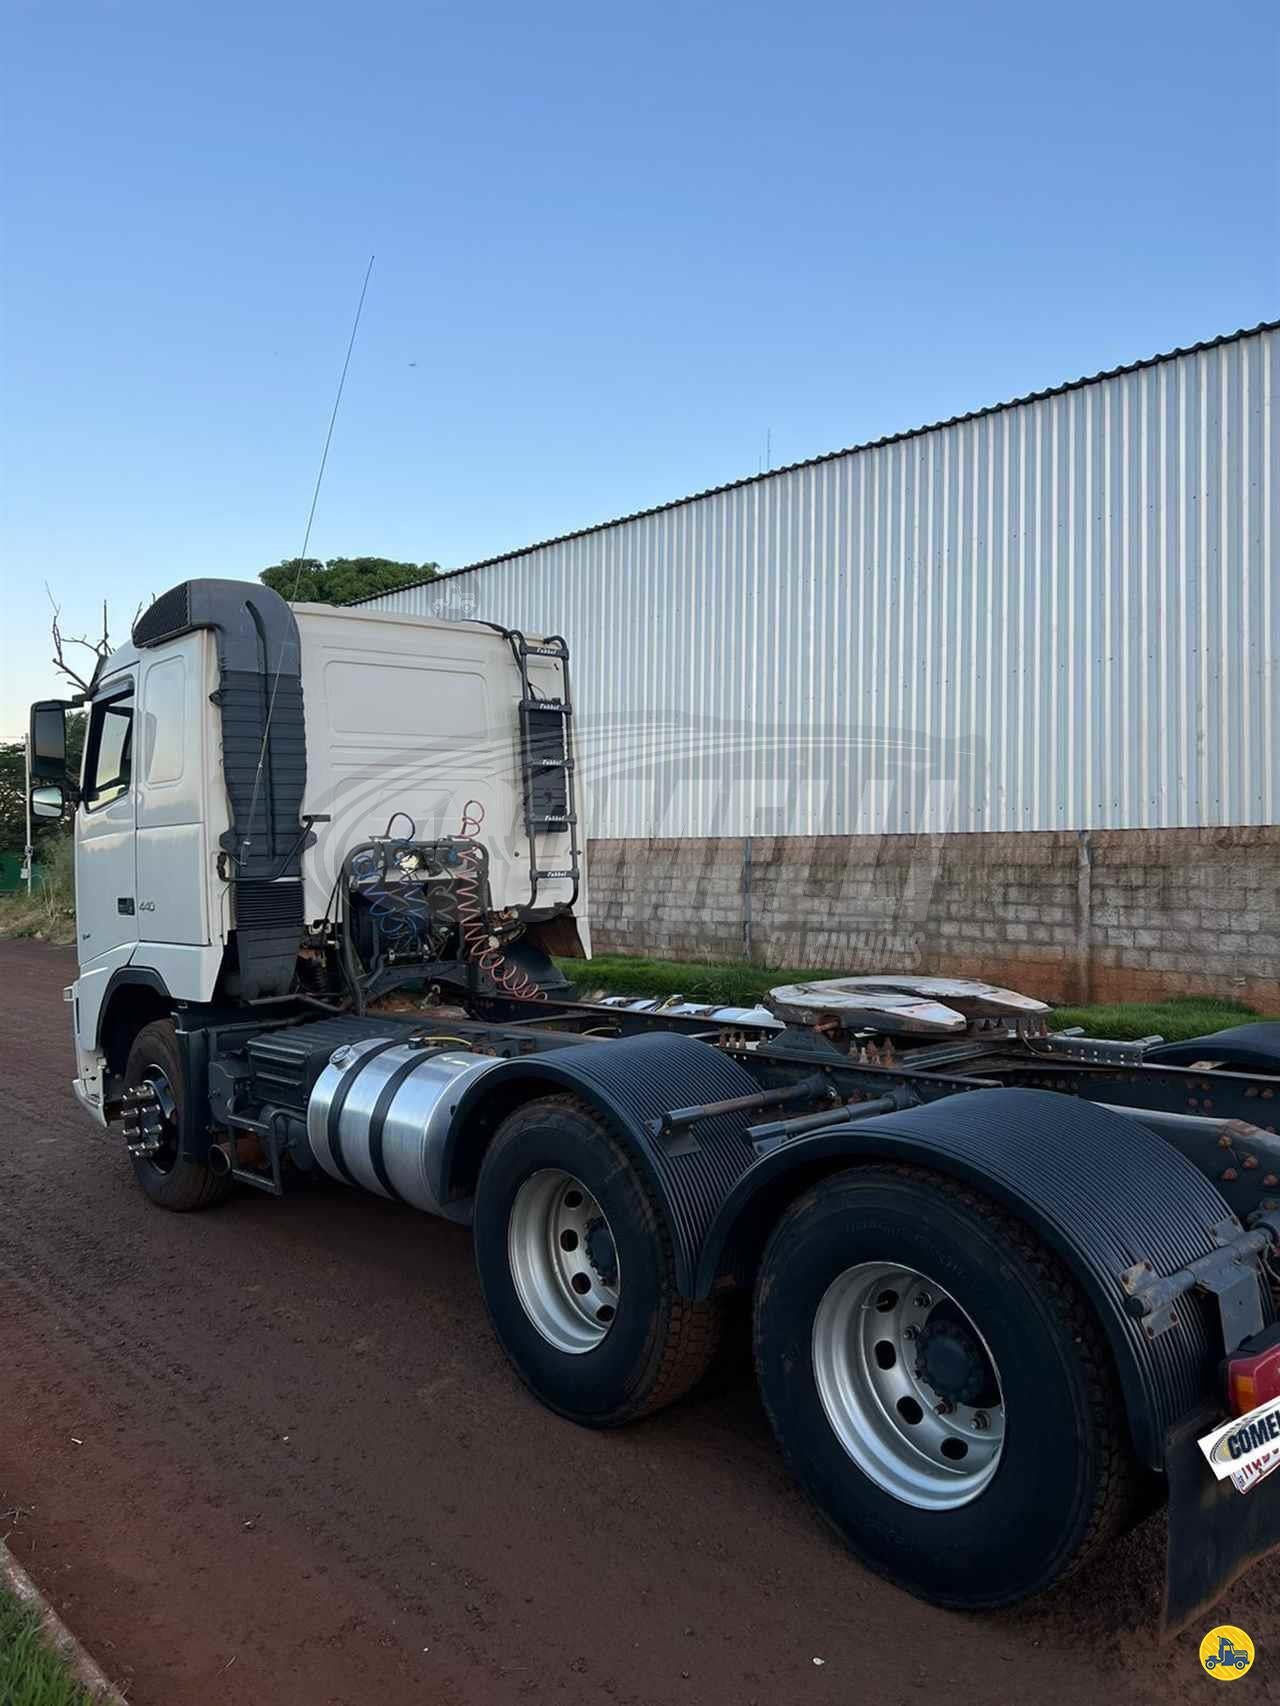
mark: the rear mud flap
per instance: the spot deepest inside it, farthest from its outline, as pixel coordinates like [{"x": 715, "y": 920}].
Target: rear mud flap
[{"x": 1215, "y": 1532}]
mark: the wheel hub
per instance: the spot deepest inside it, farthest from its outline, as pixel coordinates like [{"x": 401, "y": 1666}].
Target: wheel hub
[
  {"x": 908, "y": 1385},
  {"x": 951, "y": 1360},
  {"x": 150, "y": 1115},
  {"x": 563, "y": 1260},
  {"x": 601, "y": 1252}
]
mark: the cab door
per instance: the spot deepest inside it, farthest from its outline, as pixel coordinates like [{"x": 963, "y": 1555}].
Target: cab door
[
  {"x": 172, "y": 876},
  {"x": 106, "y": 857}
]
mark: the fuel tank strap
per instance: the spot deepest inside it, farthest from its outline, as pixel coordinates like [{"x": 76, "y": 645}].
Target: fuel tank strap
[
  {"x": 378, "y": 1120},
  {"x": 333, "y": 1126}
]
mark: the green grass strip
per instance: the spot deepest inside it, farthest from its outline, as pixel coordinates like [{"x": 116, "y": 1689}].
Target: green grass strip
[
  {"x": 32, "y": 1674},
  {"x": 1176, "y": 1019}
]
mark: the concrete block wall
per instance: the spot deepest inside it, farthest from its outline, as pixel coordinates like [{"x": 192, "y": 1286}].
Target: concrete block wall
[{"x": 1102, "y": 915}]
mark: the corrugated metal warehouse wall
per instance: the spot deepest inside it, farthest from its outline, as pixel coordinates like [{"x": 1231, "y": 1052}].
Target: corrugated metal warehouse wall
[{"x": 1058, "y": 614}]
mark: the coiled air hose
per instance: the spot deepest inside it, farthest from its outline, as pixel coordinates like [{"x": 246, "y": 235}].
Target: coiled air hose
[{"x": 477, "y": 939}]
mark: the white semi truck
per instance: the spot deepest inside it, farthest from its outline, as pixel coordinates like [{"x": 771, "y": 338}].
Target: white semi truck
[{"x": 1002, "y": 1278}]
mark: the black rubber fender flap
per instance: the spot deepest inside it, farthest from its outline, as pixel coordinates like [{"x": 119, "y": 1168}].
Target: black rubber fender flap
[{"x": 1214, "y": 1532}]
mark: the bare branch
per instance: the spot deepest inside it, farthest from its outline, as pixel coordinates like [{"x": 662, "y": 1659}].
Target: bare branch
[{"x": 99, "y": 648}]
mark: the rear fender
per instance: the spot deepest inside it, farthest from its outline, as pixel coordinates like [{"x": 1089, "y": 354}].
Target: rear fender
[
  {"x": 1103, "y": 1191},
  {"x": 631, "y": 1081}
]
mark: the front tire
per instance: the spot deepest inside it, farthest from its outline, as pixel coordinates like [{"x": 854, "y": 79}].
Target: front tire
[
  {"x": 577, "y": 1271},
  {"x": 169, "y": 1178},
  {"x": 940, "y": 1388}
]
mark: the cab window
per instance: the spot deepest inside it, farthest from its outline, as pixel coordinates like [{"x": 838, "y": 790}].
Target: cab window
[
  {"x": 165, "y": 696},
  {"x": 108, "y": 751}
]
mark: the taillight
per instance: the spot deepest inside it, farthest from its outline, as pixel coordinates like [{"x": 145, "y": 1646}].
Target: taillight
[{"x": 1253, "y": 1372}]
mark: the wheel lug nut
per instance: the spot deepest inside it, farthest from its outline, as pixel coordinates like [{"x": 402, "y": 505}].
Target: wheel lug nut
[
  {"x": 922, "y": 1300},
  {"x": 911, "y": 1332},
  {"x": 943, "y": 1407},
  {"x": 981, "y": 1420}
]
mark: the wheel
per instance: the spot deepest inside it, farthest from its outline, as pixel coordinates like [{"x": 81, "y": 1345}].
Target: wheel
[
  {"x": 1211, "y": 1663},
  {"x": 169, "y": 1178},
  {"x": 940, "y": 1388},
  {"x": 576, "y": 1267}
]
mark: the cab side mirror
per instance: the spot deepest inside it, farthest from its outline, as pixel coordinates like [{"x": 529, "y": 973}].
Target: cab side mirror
[
  {"x": 48, "y": 802},
  {"x": 48, "y": 743}
]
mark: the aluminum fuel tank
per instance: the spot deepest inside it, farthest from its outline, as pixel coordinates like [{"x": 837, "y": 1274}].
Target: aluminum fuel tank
[{"x": 380, "y": 1111}]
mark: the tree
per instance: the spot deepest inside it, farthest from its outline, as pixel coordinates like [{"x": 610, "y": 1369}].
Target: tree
[
  {"x": 97, "y": 649},
  {"x": 342, "y": 580}
]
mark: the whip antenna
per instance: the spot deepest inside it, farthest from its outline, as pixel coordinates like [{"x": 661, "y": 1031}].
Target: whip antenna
[{"x": 306, "y": 540}]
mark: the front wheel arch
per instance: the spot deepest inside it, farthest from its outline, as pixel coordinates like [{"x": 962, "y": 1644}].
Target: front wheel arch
[{"x": 136, "y": 997}]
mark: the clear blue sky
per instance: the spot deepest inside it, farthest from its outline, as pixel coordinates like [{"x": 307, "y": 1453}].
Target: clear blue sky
[{"x": 615, "y": 247}]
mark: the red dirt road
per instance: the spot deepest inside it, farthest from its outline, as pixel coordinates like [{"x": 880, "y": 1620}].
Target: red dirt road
[{"x": 272, "y": 1454}]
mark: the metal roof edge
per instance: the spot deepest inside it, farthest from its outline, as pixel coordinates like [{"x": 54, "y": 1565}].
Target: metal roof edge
[{"x": 834, "y": 455}]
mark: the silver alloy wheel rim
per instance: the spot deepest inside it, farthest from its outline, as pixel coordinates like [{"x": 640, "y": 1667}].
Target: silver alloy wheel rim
[
  {"x": 900, "y": 1432},
  {"x": 554, "y": 1227}
]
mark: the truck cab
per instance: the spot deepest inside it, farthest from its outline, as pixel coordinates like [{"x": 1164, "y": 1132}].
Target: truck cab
[{"x": 239, "y": 749}]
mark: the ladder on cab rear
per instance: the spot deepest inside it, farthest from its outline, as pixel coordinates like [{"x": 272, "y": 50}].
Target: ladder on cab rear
[{"x": 547, "y": 765}]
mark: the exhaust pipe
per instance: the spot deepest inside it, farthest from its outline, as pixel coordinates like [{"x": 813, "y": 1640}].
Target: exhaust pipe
[{"x": 220, "y": 1161}]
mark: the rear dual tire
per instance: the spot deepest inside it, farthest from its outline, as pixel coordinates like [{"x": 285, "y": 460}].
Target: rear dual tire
[
  {"x": 983, "y": 1489},
  {"x": 577, "y": 1270},
  {"x": 1016, "y": 1346}
]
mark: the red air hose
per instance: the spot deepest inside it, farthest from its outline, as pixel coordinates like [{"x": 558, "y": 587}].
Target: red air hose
[{"x": 477, "y": 939}]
